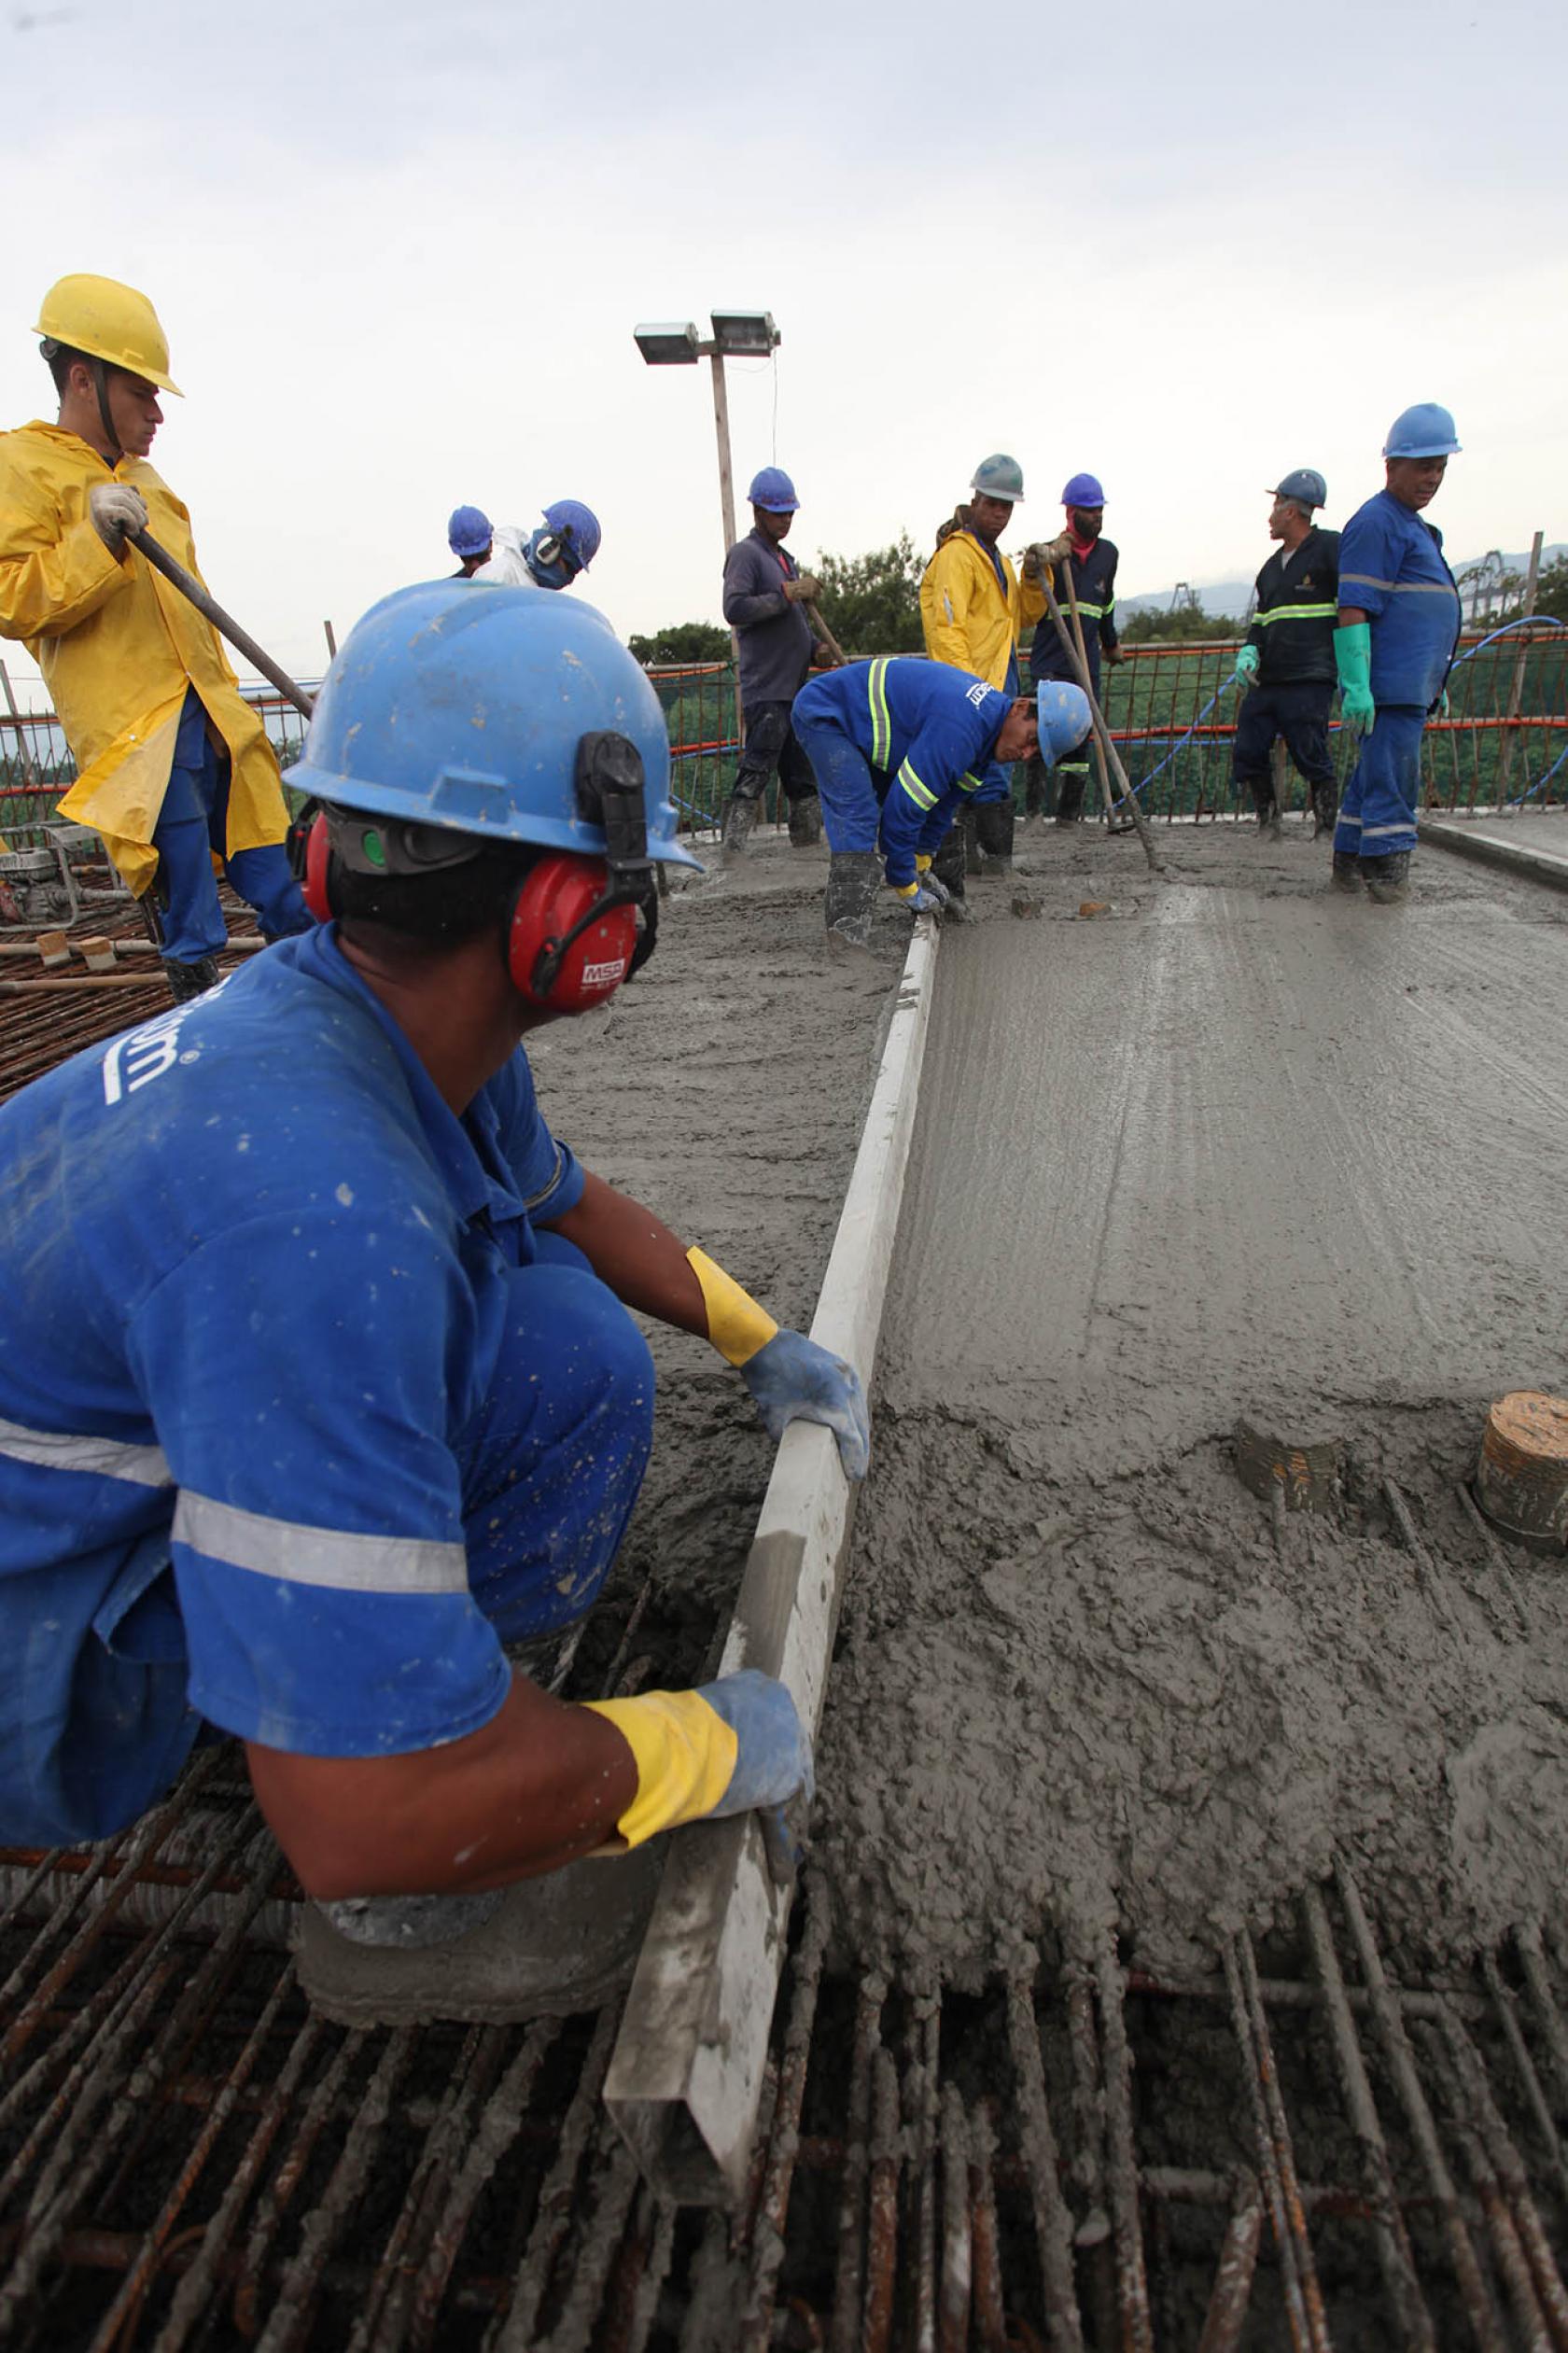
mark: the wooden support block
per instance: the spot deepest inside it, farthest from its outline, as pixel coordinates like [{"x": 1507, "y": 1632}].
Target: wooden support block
[
  {"x": 54, "y": 947},
  {"x": 97, "y": 953},
  {"x": 1522, "y": 1479}
]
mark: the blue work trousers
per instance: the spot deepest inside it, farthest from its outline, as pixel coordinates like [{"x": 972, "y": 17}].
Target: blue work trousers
[
  {"x": 94, "y": 1720},
  {"x": 192, "y": 823},
  {"x": 850, "y": 790},
  {"x": 1378, "y": 814}
]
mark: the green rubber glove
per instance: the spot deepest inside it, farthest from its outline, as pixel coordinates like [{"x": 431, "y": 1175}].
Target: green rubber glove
[
  {"x": 1247, "y": 666},
  {"x": 1352, "y": 659}
]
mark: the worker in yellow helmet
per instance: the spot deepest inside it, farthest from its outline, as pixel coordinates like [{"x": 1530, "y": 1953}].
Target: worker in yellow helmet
[{"x": 172, "y": 762}]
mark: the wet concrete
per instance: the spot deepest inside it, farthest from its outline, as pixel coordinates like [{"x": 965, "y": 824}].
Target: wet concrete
[{"x": 1237, "y": 1147}]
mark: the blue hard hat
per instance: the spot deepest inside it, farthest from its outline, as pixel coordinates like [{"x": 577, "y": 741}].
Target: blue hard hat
[
  {"x": 1083, "y": 490},
  {"x": 1306, "y": 487},
  {"x": 577, "y": 528},
  {"x": 453, "y": 704},
  {"x": 468, "y": 531},
  {"x": 1065, "y": 719},
  {"x": 1426, "y": 430},
  {"x": 773, "y": 491},
  {"x": 998, "y": 476}
]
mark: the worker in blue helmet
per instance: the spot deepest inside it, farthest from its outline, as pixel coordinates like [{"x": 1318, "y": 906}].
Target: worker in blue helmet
[
  {"x": 973, "y": 611},
  {"x": 1287, "y": 663},
  {"x": 321, "y": 1386},
  {"x": 551, "y": 556},
  {"x": 766, "y": 596},
  {"x": 1398, "y": 630},
  {"x": 468, "y": 536},
  {"x": 900, "y": 747},
  {"x": 1083, "y": 553}
]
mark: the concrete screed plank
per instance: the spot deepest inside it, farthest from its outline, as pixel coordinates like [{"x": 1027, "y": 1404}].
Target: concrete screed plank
[
  {"x": 685, "y": 2079},
  {"x": 1536, "y": 846},
  {"x": 1244, "y": 1149}
]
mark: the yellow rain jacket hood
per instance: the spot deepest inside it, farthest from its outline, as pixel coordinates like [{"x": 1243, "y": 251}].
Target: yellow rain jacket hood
[
  {"x": 119, "y": 644},
  {"x": 969, "y": 623}
]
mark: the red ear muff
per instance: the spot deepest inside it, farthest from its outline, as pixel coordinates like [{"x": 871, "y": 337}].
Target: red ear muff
[
  {"x": 555, "y": 894},
  {"x": 314, "y": 884}
]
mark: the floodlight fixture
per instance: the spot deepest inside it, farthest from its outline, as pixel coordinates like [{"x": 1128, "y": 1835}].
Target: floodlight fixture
[
  {"x": 669, "y": 344},
  {"x": 751, "y": 334}
]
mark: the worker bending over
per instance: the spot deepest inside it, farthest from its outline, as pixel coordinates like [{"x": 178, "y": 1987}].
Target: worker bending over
[
  {"x": 972, "y": 611},
  {"x": 320, "y": 1386},
  {"x": 470, "y": 538},
  {"x": 1089, "y": 560},
  {"x": 1399, "y": 623},
  {"x": 765, "y": 597},
  {"x": 551, "y": 556},
  {"x": 1287, "y": 663},
  {"x": 172, "y": 764},
  {"x": 898, "y": 748}
]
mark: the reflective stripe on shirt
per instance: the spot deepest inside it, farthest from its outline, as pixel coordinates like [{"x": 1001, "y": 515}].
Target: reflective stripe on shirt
[
  {"x": 1396, "y": 587},
  {"x": 109, "y": 1458},
  {"x": 1296, "y": 612},
  {"x": 881, "y": 720},
  {"x": 300, "y": 1555}
]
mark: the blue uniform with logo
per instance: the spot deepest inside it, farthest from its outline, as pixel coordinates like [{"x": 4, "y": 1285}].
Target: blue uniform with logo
[
  {"x": 1391, "y": 567},
  {"x": 301, "y": 1413},
  {"x": 897, "y": 746}
]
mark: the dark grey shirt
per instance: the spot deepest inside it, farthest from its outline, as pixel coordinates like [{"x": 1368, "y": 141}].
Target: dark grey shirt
[{"x": 773, "y": 635}]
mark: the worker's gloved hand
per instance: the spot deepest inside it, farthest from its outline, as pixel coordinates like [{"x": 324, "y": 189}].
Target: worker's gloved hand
[
  {"x": 793, "y": 1379},
  {"x": 1442, "y": 709},
  {"x": 928, "y": 881},
  {"x": 1113, "y": 654},
  {"x": 920, "y": 896},
  {"x": 1352, "y": 660},
  {"x": 733, "y": 1745},
  {"x": 804, "y": 590},
  {"x": 1247, "y": 665},
  {"x": 1057, "y": 550},
  {"x": 1031, "y": 565},
  {"x": 114, "y": 508}
]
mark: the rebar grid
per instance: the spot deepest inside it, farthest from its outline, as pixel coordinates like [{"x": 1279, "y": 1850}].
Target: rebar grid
[{"x": 195, "y": 2160}]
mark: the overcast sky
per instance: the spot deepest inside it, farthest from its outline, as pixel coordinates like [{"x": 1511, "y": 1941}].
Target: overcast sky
[{"x": 400, "y": 252}]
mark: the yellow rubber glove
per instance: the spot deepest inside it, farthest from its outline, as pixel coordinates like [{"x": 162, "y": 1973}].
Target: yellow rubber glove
[
  {"x": 685, "y": 1756},
  {"x": 737, "y": 1325}
]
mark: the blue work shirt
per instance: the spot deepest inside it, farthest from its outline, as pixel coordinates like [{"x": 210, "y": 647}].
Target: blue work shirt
[
  {"x": 1392, "y": 566},
  {"x": 257, "y": 1276},
  {"x": 931, "y": 730}
]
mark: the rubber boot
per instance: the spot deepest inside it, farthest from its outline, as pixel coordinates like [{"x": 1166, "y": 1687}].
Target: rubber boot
[
  {"x": 854, "y": 878},
  {"x": 190, "y": 980},
  {"x": 1326, "y": 806},
  {"x": 948, "y": 865},
  {"x": 1035, "y": 773},
  {"x": 1347, "y": 871},
  {"x": 1269, "y": 828},
  {"x": 740, "y": 818},
  {"x": 1069, "y": 800},
  {"x": 993, "y": 834},
  {"x": 806, "y": 822},
  {"x": 1388, "y": 879},
  {"x": 971, "y": 840}
]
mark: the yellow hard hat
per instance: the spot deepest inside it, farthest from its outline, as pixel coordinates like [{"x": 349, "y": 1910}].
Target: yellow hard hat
[{"x": 109, "y": 322}]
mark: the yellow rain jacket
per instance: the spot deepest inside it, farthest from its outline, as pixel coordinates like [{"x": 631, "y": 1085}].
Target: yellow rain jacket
[
  {"x": 968, "y": 622},
  {"x": 119, "y": 644}
]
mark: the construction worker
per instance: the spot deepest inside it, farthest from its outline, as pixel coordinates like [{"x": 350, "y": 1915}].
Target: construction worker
[
  {"x": 548, "y": 556},
  {"x": 1287, "y": 663},
  {"x": 1399, "y": 623},
  {"x": 765, "y": 597},
  {"x": 899, "y": 746},
  {"x": 971, "y": 613},
  {"x": 470, "y": 537},
  {"x": 172, "y": 764},
  {"x": 319, "y": 1385},
  {"x": 1091, "y": 560}
]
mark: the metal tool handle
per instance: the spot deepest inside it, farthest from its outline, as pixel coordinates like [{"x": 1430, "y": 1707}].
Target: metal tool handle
[{"x": 241, "y": 639}]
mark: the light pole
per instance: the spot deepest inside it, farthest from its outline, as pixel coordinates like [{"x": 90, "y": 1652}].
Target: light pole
[{"x": 736, "y": 334}]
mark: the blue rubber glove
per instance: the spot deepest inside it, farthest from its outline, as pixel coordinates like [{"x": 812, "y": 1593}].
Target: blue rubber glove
[
  {"x": 1247, "y": 666},
  {"x": 928, "y": 883},
  {"x": 773, "y": 1759},
  {"x": 920, "y": 897},
  {"x": 792, "y": 1380}
]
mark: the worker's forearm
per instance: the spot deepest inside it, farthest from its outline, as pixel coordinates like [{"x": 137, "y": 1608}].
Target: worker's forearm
[
  {"x": 744, "y": 612},
  {"x": 539, "y": 1785},
  {"x": 1352, "y": 616},
  {"x": 636, "y": 1254}
]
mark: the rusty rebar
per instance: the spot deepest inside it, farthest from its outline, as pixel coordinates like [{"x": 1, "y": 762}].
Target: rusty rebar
[
  {"x": 1275, "y": 2154},
  {"x": 1506, "y": 2010},
  {"x": 1053, "y": 2224},
  {"x": 1533, "y": 1960},
  {"x": 1232, "y": 2293},
  {"x": 882, "y": 2235},
  {"x": 513, "y": 2330},
  {"x": 597, "y": 2244},
  {"x": 1508, "y": 2167},
  {"x": 846, "y": 2325},
  {"x": 1393, "y": 2246},
  {"x": 921, "y": 2106},
  {"x": 1432, "y": 1583},
  {"x": 767, "y": 2243},
  {"x": 956, "y": 2292},
  {"x": 1402, "y": 2067},
  {"x": 1132, "y": 2285},
  {"x": 990, "y": 2314},
  {"x": 272, "y": 2206}
]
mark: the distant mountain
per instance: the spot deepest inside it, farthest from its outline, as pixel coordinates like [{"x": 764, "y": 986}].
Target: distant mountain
[{"x": 1233, "y": 597}]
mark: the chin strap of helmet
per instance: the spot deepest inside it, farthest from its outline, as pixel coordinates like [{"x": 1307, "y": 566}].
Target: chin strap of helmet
[
  {"x": 52, "y": 349},
  {"x": 609, "y": 793}
]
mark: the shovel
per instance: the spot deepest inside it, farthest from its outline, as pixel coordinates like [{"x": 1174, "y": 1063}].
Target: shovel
[{"x": 191, "y": 589}]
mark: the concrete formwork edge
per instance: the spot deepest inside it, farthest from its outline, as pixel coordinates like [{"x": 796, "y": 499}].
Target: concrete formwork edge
[
  {"x": 1538, "y": 866},
  {"x": 686, "y": 2076}
]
